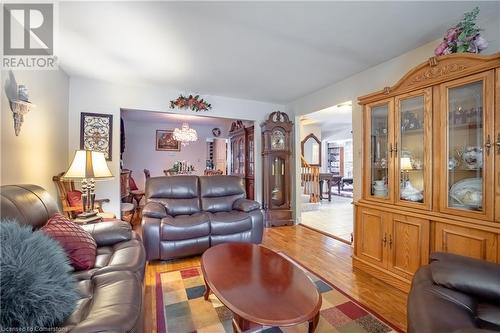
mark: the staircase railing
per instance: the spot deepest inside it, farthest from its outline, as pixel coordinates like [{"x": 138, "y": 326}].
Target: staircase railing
[{"x": 309, "y": 177}]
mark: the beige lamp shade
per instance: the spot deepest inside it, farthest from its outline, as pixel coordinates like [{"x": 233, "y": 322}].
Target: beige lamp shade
[
  {"x": 88, "y": 164},
  {"x": 406, "y": 163}
]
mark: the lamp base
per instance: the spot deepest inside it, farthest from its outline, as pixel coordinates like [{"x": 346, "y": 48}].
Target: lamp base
[{"x": 87, "y": 214}]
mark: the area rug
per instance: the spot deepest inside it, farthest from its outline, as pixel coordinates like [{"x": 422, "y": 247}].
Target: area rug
[{"x": 180, "y": 308}]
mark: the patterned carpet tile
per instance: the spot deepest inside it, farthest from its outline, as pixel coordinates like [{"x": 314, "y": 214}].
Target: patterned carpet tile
[{"x": 185, "y": 310}]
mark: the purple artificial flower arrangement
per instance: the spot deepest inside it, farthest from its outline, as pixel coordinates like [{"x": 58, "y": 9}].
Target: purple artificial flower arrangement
[{"x": 464, "y": 37}]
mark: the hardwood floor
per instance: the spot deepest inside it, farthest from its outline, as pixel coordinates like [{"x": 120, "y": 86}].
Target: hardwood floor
[{"x": 323, "y": 255}]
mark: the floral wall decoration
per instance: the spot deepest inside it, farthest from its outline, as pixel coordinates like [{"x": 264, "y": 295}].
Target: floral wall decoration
[
  {"x": 464, "y": 37},
  {"x": 193, "y": 103}
]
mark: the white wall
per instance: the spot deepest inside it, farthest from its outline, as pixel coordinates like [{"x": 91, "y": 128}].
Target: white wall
[
  {"x": 306, "y": 129},
  {"x": 86, "y": 95},
  {"x": 370, "y": 80},
  {"x": 340, "y": 133},
  {"x": 41, "y": 149},
  {"x": 140, "y": 148}
]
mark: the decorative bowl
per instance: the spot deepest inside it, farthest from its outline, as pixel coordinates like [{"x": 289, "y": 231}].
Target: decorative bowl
[{"x": 468, "y": 192}]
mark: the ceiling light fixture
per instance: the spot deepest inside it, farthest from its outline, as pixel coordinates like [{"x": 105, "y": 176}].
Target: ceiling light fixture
[{"x": 185, "y": 135}]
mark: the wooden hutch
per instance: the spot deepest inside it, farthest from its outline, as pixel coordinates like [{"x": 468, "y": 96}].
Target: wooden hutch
[
  {"x": 250, "y": 162},
  {"x": 431, "y": 168},
  {"x": 242, "y": 146}
]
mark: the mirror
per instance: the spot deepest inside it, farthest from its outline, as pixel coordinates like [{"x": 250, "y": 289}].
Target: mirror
[{"x": 311, "y": 150}]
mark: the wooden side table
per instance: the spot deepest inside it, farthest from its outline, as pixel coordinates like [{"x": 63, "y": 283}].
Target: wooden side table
[
  {"x": 106, "y": 216},
  {"x": 88, "y": 220},
  {"x": 127, "y": 209},
  {"x": 330, "y": 180},
  {"x": 99, "y": 217}
]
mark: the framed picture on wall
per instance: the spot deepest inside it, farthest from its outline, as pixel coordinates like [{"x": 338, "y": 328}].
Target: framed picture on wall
[
  {"x": 96, "y": 133},
  {"x": 165, "y": 141}
]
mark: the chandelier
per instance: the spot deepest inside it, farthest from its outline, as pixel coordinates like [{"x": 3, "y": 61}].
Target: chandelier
[{"x": 185, "y": 135}]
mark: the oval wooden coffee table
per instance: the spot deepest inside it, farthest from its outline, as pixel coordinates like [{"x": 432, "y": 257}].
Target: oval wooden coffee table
[{"x": 260, "y": 287}]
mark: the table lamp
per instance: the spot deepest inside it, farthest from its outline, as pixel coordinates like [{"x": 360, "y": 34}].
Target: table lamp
[{"x": 87, "y": 166}]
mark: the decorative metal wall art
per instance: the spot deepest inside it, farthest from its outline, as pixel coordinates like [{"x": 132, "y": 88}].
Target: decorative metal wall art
[{"x": 96, "y": 133}]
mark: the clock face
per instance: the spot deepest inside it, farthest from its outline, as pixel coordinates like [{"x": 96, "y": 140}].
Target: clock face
[
  {"x": 216, "y": 132},
  {"x": 277, "y": 140}
]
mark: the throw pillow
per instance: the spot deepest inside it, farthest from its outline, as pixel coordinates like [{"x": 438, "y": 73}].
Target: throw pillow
[
  {"x": 79, "y": 245},
  {"x": 36, "y": 288},
  {"x": 132, "y": 184},
  {"x": 74, "y": 199}
]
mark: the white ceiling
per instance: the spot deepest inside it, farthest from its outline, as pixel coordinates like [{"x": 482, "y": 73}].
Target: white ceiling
[
  {"x": 335, "y": 122},
  {"x": 268, "y": 51},
  {"x": 162, "y": 117}
]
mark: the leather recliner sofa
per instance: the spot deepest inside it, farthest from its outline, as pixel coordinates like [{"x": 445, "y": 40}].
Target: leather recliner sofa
[
  {"x": 185, "y": 215},
  {"x": 455, "y": 294},
  {"x": 111, "y": 293}
]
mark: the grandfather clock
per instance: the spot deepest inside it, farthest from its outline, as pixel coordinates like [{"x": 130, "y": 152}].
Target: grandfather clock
[{"x": 276, "y": 156}]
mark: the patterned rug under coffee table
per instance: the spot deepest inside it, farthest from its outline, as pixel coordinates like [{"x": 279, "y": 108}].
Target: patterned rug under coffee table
[{"x": 180, "y": 308}]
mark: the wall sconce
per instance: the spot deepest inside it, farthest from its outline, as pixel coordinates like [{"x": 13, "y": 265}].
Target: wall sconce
[{"x": 20, "y": 107}]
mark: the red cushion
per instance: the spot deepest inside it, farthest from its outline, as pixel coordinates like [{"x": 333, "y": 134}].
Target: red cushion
[
  {"x": 74, "y": 198},
  {"x": 132, "y": 184},
  {"x": 79, "y": 245}
]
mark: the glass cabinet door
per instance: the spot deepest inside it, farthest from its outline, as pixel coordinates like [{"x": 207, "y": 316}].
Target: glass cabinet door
[
  {"x": 241, "y": 156},
  {"x": 251, "y": 157},
  {"x": 233, "y": 157},
  {"x": 414, "y": 139},
  {"x": 278, "y": 182},
  {"x": 469, "y": 146},
  {"x": 381, "y": 151}
]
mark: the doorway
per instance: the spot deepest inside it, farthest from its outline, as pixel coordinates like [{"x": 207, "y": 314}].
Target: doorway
[
  {"x": 327, "y": 171},
  {"x": 205, "y": 146}
]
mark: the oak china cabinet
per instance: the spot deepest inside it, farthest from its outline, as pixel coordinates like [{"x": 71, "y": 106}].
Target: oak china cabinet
[
  {"x": 276, "y": 159},
  {"x": 431, "y": 167}
]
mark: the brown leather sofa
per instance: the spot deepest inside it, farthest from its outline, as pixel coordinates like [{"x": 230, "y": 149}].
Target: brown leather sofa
[
  {"x": 112, "y": 291},
  {"x": 185, "y": 215},
  {"x": 455, "y": 294}
]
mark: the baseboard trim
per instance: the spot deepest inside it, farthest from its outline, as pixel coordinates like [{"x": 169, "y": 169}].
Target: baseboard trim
[
  {"x": 382, "y": 274},
  {"x": 327, "y": 234}
]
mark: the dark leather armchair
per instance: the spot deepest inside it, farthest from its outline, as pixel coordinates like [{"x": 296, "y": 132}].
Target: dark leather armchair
[
  {"x": 455, "y": 294},
  {"x": 185, "y": 215},
  {"x": 111, "y": 292}
]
